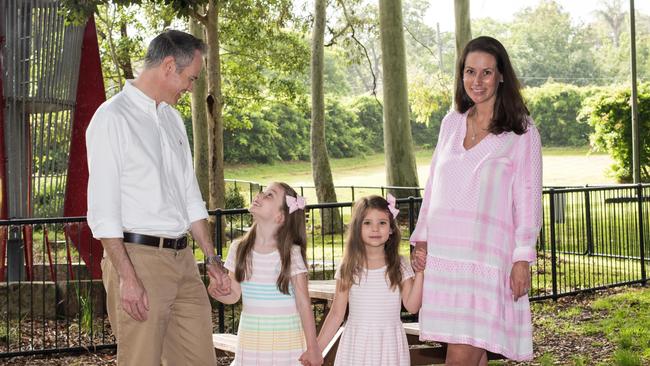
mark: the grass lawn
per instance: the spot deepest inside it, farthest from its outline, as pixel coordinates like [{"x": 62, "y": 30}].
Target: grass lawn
[
  {"x": 562, "y": 167},
  {"x": 603, "y": 328}
]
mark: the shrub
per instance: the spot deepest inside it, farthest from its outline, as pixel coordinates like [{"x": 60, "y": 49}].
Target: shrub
[
  {"x": 555, "y": 107},
  {"x": 609, "y": 112}
]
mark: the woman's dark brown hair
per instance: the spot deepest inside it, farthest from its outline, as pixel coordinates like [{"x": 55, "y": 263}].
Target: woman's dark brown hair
[
  {"x": 510, "y": 112},
  {"x": 291, "y": 232},
  {"x": 354, "y": 260}
]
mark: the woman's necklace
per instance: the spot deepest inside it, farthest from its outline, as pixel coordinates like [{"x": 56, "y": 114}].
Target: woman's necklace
[{"x": 474, "y": 122}]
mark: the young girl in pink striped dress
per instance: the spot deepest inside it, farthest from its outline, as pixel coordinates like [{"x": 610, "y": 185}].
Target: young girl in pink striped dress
[
  {"x": 267, "y": 269},
  {"x": 374, "y": 279}
]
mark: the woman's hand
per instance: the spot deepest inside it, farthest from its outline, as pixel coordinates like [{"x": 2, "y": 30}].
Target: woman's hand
[
  {"x": 520, "y": 279},
  {"x": 419, "y": 256}
]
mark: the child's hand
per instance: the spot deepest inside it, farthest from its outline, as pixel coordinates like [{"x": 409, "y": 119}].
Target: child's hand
[
  {"x": 219, "y": 286},
  {"x": 311, "y": 357},
  {"x": 419, "y": 257}
]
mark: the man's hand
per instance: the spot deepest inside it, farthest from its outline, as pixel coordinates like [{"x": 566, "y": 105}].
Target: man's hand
[
  {"x": 219, "y": 280},
  {"x": 133, "y": 298},
  {"x": 520, "y": 279}
]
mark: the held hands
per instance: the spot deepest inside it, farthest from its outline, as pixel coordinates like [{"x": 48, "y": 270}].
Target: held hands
[
  {"x": 520, "y": 279},
  {"x": 219, "y": 280},
  {"x": 133, "y": 298},
  {"x": 419, "y": 256},
  {"x": 311, "y": 357}
]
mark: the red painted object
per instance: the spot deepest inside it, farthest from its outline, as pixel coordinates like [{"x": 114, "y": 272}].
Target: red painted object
[{"x": 90, "y": 95}]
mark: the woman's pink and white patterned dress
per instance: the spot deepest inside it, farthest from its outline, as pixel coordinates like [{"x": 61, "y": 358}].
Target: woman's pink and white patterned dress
[
  {"x": 481, "y": 213},
  {"x": 373, "y": 334}
]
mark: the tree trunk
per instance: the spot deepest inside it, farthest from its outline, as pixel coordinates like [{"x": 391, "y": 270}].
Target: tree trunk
[
  {"x": 200, "y": 122},
  {"x": 125, "y": 64},
  {"x": 398, "y": 143},
  {"x": 320, "y": 164},
  {"x": 463, "y": 28},
  {"x": 214, "y": 104}
]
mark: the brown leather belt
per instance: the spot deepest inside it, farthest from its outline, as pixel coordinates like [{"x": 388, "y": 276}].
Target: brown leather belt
[{"x": 154, "y": 241}]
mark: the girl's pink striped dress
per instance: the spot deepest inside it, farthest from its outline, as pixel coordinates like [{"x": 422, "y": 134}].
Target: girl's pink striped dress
[
  {"x": 270, "y": 331},
  {"x": 481, "y": 213},
  {"x": 373, "y": 334}
]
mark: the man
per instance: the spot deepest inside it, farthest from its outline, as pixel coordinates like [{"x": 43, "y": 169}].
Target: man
[{"x": 143, "y": 197}]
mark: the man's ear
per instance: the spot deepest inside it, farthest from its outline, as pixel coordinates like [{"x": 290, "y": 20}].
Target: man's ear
[{"x": 168, "y": 65}]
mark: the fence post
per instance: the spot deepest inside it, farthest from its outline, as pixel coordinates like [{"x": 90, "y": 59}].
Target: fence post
[
  {"x": 352, "y": 193},
  {"x": 553, "y": 244},
  {"x": 639, "y": 195},
  {"x": 590, "y": 234},
  {"x": 219, "y": 246}
]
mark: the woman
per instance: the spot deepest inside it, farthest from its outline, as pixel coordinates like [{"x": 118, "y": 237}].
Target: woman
[{"x": 481, "y": 214}]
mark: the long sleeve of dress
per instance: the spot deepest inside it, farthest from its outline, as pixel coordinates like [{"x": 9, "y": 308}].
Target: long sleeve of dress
[
  {"x": 420, "y": 232},
  {"x": 527, "y": 197}
]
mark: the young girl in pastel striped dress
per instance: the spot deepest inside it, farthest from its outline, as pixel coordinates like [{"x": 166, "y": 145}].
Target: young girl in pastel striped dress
[
  {"x": 374, "y": 280},
  {"x": 267, "y": 269}
]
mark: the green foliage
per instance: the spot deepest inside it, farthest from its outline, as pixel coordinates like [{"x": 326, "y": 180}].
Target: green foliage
[
  {"x": 546, "y": 45},
  {"x": 554, "y": 107},
  {"x": 234, "y": 198},
  {"x": 609, "y": 112},
  {"x": 623, "y": 357},
  {"x": 370, "y": 115}
]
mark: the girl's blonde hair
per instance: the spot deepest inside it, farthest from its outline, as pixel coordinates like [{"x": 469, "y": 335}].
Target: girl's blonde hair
[
  {"x": 355, "y": 260},
  {"x": 290, "y": 233}
]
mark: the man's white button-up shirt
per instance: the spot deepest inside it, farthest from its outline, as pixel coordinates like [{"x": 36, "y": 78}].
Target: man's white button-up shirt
[{"x": 141, "y": 175}]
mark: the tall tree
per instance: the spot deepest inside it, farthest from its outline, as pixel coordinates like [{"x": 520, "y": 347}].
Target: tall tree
[
  {"x": 398, "y": 143},
  {"x": 463, "y": 27},
  {"x": 200, "y": 121},
  {"x": 320, "y": 165},
  {"x": 614, "y": 14}
]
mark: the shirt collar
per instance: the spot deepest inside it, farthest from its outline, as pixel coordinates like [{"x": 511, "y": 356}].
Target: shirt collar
[{"x": 140, "y": 97}]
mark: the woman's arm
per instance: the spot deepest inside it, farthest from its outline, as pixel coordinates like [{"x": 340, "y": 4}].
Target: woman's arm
[
  {"x": 232, "y": 297},
  {"x": 334, "y": 318},
  {"x": 412, "y": 292},
  {"x": 303, "y": 303}
]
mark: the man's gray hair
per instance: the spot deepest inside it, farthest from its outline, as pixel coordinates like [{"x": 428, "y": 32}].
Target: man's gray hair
[{"x": 180, "y": 45}]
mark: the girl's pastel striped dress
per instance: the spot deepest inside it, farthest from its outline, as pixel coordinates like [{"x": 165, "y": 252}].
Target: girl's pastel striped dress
[
  {"x": 270, "y": 331},
  {"x": 373, "y": 334},
  {"x": 481, "y": 212}
]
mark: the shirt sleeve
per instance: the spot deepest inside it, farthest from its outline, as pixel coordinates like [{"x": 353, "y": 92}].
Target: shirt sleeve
[
  {"x": 105, "y": 146},
  {"x": 231, "y": 263},
  {"x": 420, "y": 232},
  {"x": 195, "y": 205},
  {"x": 527, "y": 196},
  {"x": 407, "y": 270},
  {"x": 298, "y": 265}
]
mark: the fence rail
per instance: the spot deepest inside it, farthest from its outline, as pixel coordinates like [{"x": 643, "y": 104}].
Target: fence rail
[{"x": 591, "y": 238}]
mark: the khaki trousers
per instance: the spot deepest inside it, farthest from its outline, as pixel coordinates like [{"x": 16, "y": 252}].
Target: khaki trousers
[{"x": 178, "y": 329}]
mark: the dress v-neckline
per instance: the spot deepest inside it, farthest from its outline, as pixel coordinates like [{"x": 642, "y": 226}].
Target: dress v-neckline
[{"x": 464, "y": 132}]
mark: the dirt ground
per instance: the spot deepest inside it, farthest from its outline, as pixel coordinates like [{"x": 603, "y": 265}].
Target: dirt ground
[{"x": 546, "y": 341}]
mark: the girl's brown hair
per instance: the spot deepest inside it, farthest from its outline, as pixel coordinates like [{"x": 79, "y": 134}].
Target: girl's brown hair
[
  {"x": 354, "y": 259},
  {"x": 510, "y": 111},
  {"x": 290, "y": 233}
]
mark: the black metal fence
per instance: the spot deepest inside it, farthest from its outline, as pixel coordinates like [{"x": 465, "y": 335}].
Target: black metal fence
[{"x": 592, "y": 238}]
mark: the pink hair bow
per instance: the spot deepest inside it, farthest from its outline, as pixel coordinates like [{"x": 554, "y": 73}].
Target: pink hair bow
[
  {"x": 391, "y": 205},
  {"x": 295, "y": 203}
]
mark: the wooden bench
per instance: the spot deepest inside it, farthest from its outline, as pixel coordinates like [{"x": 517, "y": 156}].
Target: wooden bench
[{"x": 225, "y": 344}]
